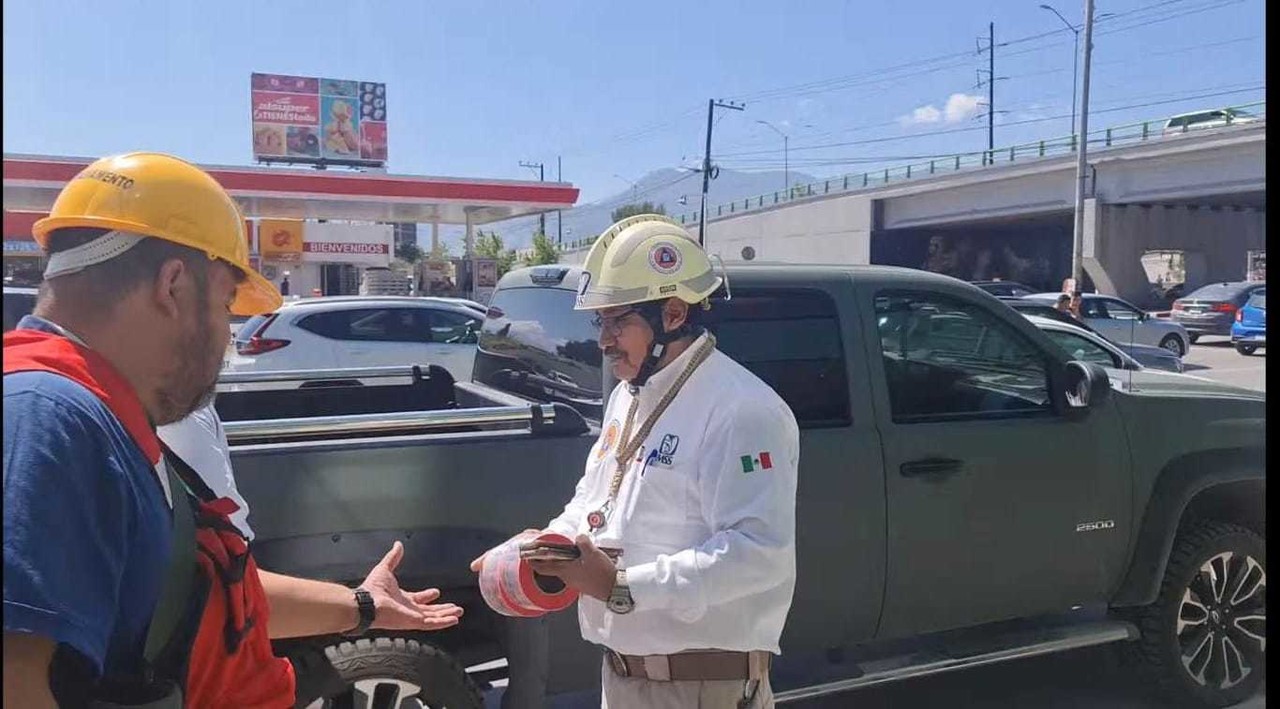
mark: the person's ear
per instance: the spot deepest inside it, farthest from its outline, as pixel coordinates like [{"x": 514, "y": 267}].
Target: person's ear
[
  {"x": 675, "y": 312},
  {"x": 168, "y": 286}
]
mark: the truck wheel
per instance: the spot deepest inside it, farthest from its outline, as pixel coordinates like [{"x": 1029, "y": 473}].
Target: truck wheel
[
  {"x": 1246, "y": 350},
  {"x": 1203, "y": 642},
  {"x": 396, "y": 672}
]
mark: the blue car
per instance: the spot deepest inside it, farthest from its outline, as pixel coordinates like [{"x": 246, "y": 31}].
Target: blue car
[{"x": 1249, "y": 331}]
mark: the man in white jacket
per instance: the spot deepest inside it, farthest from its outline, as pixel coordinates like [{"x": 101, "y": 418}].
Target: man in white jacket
[{"x": 693, "y": 477}]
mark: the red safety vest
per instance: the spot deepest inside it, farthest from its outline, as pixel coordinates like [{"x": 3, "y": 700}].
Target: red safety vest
[{"x": 220, "y": 655}]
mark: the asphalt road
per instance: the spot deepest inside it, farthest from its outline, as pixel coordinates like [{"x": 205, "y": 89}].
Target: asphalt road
[{"x": 1214, "y": 358}]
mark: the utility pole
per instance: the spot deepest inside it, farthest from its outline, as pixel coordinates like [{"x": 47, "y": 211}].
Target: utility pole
[
  {"x": 559, "y": 213},
  {"x": 991, "y": 90},
  {"x": 1082, "y": 163},
  {"x": 712, "y": 105},
  {"x": 991, "y": 87},
  {"x": 542, "y": 218}
]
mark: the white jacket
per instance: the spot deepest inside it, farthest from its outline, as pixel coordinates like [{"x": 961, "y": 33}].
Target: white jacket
[{"x": 705, "y": 515}]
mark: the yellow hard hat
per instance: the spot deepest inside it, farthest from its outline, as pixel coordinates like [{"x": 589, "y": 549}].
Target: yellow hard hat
[
  {"x": 160, "y": 196},
  {"x": 643, "y": 258}
]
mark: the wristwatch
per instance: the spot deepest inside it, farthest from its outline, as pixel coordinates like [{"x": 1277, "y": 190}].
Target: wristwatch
[
  {"x": 620, "y": 600},
  {"x": 364, "y": 604}
]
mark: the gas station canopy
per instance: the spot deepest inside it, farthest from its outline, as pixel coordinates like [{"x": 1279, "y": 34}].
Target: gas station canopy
[{"x": 31, "y": 183}]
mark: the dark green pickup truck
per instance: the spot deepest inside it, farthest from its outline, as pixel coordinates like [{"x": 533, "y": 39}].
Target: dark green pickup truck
[{"x": 967, "y": 494}]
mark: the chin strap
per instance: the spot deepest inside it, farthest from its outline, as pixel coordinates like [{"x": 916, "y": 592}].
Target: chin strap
[{"x": 652, "y": 313}]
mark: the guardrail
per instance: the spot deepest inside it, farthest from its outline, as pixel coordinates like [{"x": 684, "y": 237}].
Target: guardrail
[
  {"x": 396, "y": 422},
  {"x": 1103, "y": 138}
]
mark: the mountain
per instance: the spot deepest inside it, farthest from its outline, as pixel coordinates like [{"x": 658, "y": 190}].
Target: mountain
[{"x": 663, "y": 187}]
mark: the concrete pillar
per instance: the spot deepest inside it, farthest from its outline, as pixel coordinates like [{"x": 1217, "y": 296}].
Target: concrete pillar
[
  {"x": 1090, "y": 251},
  {"x": 435, "y": 237}
]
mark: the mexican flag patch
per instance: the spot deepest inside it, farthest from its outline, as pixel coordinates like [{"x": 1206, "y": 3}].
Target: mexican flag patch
[{"x": 759, "y": 461}]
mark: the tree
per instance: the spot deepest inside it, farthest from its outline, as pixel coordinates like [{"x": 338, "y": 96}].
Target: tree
[
  {"x": 630, "y": 210},
  {"x": 544, "y": 251},
  {"x": 440, "y": 252},
  {"x": 490, "y": 246},
  {"x": 409, "y": 251}
]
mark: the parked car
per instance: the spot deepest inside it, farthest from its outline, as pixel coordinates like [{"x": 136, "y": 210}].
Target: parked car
[
  {"x": 480, "y": 308},
  {"x": 1250, "y": 329},
  {"x": 1005, "y": 289},
  {"x": 1088, "y": 346},
  {"x": 1211, "y": 309},
  {"x": 1148, "y": 356},
  {"x": 972, "y": 480},
  {"x": 1124, "y": 324},
  {"x": 358, "y": 332},
  {"x": 18, "y": 302},
  {"x": 1199, "y": 120}
]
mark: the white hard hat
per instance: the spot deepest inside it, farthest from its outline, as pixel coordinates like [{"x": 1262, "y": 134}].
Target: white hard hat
[{"x": 645, "y": 258}]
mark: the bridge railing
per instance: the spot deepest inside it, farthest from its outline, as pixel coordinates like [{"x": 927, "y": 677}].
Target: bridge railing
[{"x": 1099, "y": 139}]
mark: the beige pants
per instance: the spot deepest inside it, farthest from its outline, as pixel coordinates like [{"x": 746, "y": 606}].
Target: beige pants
[{"x": 631, "y": 693}]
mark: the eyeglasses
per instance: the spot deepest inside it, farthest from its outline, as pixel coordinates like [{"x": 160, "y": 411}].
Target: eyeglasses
[{"x": 612, "y": 325}]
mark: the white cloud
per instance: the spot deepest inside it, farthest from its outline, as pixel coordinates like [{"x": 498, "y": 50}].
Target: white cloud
[
  {"x": 924, "y": 114},
  {"x": 959, "y": 107},
  {"x": 962, "y": 106}
]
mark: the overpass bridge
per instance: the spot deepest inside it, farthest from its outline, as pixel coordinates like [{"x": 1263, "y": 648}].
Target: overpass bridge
[{"x": 1009, "y": 213}]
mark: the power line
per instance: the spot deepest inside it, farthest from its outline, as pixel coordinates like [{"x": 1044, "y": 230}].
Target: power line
[{"x": 813, "y": 162}]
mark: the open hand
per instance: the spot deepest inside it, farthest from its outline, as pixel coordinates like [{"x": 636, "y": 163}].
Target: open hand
[
  {"x": 400, "y": 610},
  {"x": 593, "y": 573}
]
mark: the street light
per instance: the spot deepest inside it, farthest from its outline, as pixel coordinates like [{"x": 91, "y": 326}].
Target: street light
[
  {"x": 786, "y": 170},
  {"x": 1075, "y": 62}
]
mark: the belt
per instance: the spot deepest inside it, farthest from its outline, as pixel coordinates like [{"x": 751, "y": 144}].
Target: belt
[{"x": 693, "y": 665}]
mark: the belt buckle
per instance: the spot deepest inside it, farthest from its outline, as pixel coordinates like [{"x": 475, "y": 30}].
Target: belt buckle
[{"x": 616, "y": 663}]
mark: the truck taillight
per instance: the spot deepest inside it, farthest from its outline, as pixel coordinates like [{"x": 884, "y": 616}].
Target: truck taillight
[
  {"x": 259, "y": 345},
  {"x": 1224, "y": 308},
  {"x": 1179, "y": 305}
]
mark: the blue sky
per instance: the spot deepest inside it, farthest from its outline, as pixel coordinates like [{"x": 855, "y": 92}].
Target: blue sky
[{"x": 614, "y": 87}]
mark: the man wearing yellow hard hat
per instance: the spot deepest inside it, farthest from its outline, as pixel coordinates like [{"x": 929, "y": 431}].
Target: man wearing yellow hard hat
[
  {"x": 125, "y": 583},
  {"x": 693, "y": 477}
]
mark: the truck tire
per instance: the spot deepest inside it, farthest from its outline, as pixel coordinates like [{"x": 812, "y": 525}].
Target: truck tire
[
  {"x": 1193, "y": 337},
  {"x": 1203, "y": 641},
  {"x": 378, "y": 672}
]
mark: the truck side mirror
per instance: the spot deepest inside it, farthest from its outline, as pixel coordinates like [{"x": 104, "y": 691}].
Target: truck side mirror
[{"x": 1085, "y": 385}]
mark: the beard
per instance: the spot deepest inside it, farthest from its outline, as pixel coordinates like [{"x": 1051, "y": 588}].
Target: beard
[{"x": 193, "y": 381}]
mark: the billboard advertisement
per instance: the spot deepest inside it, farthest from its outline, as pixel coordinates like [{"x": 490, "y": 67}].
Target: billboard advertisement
[{"x": 302, "y": 119}]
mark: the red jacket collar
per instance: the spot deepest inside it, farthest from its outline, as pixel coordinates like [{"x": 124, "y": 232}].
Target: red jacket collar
[{"x": 38, "y": 350}]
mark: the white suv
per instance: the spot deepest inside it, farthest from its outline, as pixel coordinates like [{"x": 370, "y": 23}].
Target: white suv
[
  {"x": 347, "y": 332},
  {"x": 1200, "y": 120}
]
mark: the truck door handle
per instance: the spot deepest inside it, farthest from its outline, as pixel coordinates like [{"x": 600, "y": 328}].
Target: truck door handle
[{"x": 931, "y": 466}]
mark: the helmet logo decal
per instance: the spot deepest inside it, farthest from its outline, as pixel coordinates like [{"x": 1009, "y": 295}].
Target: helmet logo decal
[
  {"x": 114, "y": 179},
  {"x": 664, "y": 258}
]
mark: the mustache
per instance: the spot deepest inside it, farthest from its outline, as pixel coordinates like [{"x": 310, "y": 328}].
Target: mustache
[{"x": 612, "y": 352}]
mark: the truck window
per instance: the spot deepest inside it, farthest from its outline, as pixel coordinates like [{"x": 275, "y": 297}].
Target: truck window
[
  {"x": 791, "y": 340},
  {"x": 534, "y": 344},
  {"x": 1081, "y": 348},
  {"x": 945, "y": 358}
]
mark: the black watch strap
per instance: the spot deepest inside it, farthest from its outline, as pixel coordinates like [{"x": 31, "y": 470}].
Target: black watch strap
[{"x": 364, "y": 604}]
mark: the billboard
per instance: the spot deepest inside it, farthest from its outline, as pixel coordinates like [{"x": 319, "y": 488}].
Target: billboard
[{"x": 302, "y": 119}]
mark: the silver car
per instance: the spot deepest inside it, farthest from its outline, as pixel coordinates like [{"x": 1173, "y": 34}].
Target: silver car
[
  {"x": 1125, "y": 324},
  {"x": 1091, "y": 347}
]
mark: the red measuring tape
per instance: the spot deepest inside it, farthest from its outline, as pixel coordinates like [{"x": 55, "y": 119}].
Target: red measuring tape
[{"x": 510, "y": 586}]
